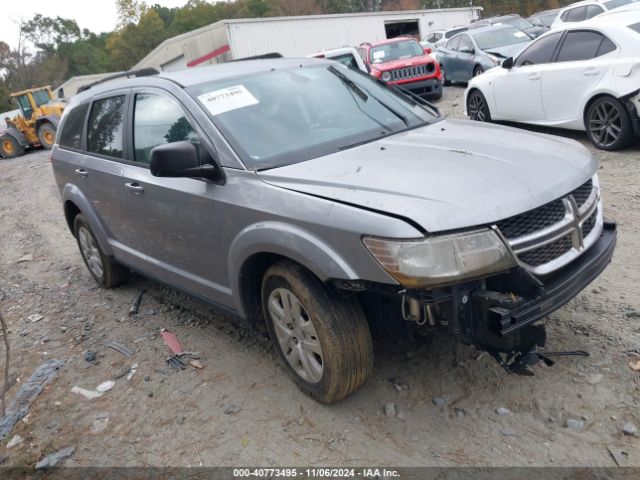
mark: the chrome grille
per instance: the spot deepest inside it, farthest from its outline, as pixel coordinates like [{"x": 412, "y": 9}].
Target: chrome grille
[
  {"x": 411, "y": 72},
  {"x": 548, "y": 237}
]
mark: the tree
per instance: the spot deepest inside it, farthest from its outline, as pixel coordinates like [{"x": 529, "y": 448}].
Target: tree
[
  {"x": 130, "y": 12},
  {"x": 131, "y": 43}
]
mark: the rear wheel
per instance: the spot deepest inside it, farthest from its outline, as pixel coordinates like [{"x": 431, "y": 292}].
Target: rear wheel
[
  {"x": 47, "y": 135},
  {"x": 105, "y": 271},
  {"x": 608, "y": 124},
  {"x": 445, "y": 81},
  {"x": 10, "y": 147},
  {"x": 477, "y": 107},
  {"x": 322, "y": 338}
]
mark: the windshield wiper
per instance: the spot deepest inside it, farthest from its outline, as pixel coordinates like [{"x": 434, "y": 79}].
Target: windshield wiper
[{"x": 358, "y": 91}]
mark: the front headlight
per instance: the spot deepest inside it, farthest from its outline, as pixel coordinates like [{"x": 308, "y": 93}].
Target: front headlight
[
  {"x": 386, "y": 76},
  {"x": 442, "y": 259},
  {"x": 494, "y": 59}
]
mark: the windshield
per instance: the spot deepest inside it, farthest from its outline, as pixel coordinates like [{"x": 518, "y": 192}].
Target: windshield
[
  {"x": 287, "y": 116},
  {"x": 395, "y": 51},
  {"x": 518, "y": 22},
  {"x": 40, "y": 97},
  {"x": 500, "y": 38},
  {"x": 455, "y": 31}
]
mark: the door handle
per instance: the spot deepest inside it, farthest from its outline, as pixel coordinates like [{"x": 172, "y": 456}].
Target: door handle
[
  {"x": 590, "y": 72},
  {"x": 534, "y": 76},
  {"x": 82, "y": 172},
  {"x": 135, "y": 187}
]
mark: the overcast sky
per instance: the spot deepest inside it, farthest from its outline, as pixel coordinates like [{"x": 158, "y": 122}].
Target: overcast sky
[{"x": 96, "y": 15}]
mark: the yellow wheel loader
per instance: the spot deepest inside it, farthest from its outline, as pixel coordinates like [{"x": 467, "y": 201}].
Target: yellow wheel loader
[{"x": 36, "y": 127}]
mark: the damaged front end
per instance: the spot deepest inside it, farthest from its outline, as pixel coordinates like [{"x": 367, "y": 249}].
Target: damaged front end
[{"x": 557, "y": 250}]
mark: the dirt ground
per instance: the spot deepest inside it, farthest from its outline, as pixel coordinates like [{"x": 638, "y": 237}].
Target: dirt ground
[{"x": 241, "y": 409}]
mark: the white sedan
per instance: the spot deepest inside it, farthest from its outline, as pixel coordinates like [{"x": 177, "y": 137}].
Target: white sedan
[{"x": 585, "y": 77}]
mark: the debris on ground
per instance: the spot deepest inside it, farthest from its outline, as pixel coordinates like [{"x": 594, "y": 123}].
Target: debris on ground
[
  {"x": 135, "y": 303},
  {"x": 502, "y": 411},
  {"x": 438, "y": 402},
  {"x": 16, "y": 440},
  {"x": 390, "y": 409},
  {"x": 575, "y": 424},
  {"x": 635, "y": 365},
  {"x": 27, "y": 394},
  {"x": 595, "y": 378},
  {"x": 90, "y": 356},
  {"x": 176, "y": 362},
  {"x": 25, "y": 258},
  {"x": 119, "y": 347},
  {"x": 629, "y": 429},
  {"x": 90, "y": 394},
  {"x": 105, "y": 386},
  {"x": 196, "y": 363},
  {"x": 52, "y": 459},
  {"x": 36, "y": 317},
  {"x": 132, "y": 371},
  {"x": 232, "y": 409},
  {"x": 3, "y": 458},
  {"x": 171, "y": 341},
  {"x": 398, "y": 384}
]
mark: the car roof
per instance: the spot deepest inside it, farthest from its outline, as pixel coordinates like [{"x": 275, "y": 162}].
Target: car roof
[
  {"x": 583, "y": 3},
  {"x": 615, "y": 18},
  {"x": 194, "y": 76},
  {"x": 488, "y": 28}
]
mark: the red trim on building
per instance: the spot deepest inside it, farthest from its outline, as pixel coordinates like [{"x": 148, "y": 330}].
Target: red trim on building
[{"x": 216, "y": 53}]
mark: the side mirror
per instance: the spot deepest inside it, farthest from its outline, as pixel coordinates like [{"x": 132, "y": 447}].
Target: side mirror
[
  {"x": 507, "y": 63},
  {"x": 427, "y": 50},
  {"x": 179, "y": 159}
]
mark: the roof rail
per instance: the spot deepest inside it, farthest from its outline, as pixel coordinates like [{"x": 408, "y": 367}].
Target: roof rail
[
  {"x": 264, "y": 56},
  {"x": 143, "y": 72}
]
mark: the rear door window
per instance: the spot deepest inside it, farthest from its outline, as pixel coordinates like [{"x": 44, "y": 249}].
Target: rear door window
[
  {"x": 71, "y": 134},
  {"x": 453, "y": 43},
  {"x": 466, "y": 44},
  {"x": 158, "y": 120},
  {"x": 540, "y": 51},
  {"x": 106, "y": 126},
  {"x": 577, "y": 14},
  {"x": 581, "y": 45}
]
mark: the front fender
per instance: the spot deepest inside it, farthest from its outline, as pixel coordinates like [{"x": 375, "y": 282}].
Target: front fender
[
  {"x": 288, "y": 241},
  {"x": 71, "y": 193}
]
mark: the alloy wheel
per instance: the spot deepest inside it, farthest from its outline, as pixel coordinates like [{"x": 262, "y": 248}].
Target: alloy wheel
[
  {"x": 296, "y": 335},
  {"x": 477, "y": 107},
  {"x": 90, "y": 252},
  {"x": 605, "y": 124}
]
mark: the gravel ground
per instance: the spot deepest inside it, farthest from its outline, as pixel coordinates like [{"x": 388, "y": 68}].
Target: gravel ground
[{"x": 450, "y": 409}]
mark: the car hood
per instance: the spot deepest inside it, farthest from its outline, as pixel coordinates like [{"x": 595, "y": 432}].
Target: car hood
[
  {"x": 449, "y": 175},
  {"x": 508, "y": 51},
  {"x": 535, "y": 32},
  {"x": 405, "y": 62}
]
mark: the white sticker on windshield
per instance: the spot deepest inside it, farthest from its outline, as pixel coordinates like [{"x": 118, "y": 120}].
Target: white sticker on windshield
[
  {"x": 378, "y": 54},
  {"x": 227, "y": 99},
  {"x": 519, "y": 34}
]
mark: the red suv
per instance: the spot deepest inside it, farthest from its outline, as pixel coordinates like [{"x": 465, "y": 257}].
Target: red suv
[{"x": 403, "y": 62}]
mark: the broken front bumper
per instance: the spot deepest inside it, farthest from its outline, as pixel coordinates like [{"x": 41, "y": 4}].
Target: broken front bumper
[
  {"x": 424, "y": 88},
  {"x": 500, "y": 316}
]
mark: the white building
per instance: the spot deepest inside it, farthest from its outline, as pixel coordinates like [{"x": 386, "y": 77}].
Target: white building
[{"x": 296, "y": 36}]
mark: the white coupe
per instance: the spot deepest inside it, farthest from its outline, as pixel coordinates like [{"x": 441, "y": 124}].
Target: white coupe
[{"x": 584, "y": 77}]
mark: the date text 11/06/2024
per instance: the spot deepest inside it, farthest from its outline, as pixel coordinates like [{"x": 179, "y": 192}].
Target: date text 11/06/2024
[{"x": 316, "y": 473}]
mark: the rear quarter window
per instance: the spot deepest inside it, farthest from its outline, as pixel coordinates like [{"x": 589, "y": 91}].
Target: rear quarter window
[{"x": 71, "y": 134}]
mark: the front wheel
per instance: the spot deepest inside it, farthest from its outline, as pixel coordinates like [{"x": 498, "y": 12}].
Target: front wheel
[
  {"x": 47, "y": 135},
  {"x": 478, "y": 71},
  {"x": 105, "y": 271},
  {"x": 477, "y": 107},
  {"x": 445, "y": 81},
  {"x": 322, "y": 339},
  {"x": 608, "y": 124}
]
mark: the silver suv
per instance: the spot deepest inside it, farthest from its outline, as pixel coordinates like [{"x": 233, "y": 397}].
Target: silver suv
[{"x": 314, "y": 198}]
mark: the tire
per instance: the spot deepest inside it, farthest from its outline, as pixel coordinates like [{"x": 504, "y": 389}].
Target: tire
[
  {"x": 47, "y": 135},
  {"x": 10, "y": 147},
  {"x": 445, "y": 82},
  {"x": 477, "y": 71},
  {"x": 477, "y": 107},
  {"x": 339, "y": 353},
  {"x": 105, "y": 271},
  {"x": 608, "y": 124}
]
